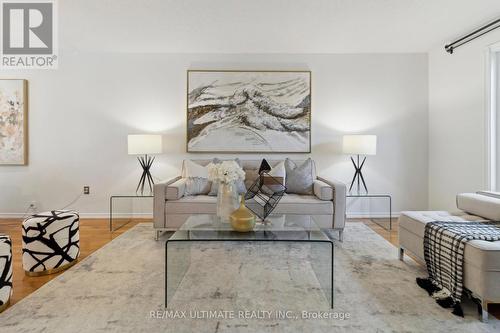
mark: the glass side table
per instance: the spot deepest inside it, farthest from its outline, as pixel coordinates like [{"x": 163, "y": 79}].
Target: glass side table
[
  {"x": 370, "y": 195},
  {"x": 282, "y": 228},
  {"x": 122, "y": 196}
]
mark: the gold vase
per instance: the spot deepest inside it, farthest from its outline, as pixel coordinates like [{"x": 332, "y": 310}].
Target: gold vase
[{"x": 242, "y": 219}]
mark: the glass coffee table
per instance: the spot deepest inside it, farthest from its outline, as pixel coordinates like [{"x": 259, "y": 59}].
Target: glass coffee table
[{"x": 278, "y": 228}]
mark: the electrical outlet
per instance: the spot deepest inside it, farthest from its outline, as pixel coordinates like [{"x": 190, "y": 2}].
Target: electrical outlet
[{"x": 86, "y": 190}]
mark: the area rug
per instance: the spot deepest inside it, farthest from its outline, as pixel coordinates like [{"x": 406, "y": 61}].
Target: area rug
[{"x": 238, "y": 287}]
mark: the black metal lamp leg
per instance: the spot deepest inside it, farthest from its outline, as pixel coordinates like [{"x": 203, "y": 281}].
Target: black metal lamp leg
[
  {"x": 358, "y": 174},
  {"x": 355, "y": 174},
  {"x": 146, "y": 163}
]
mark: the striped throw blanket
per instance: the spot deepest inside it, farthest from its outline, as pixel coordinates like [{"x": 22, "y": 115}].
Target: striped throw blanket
[{"x": 444, "y": 247}]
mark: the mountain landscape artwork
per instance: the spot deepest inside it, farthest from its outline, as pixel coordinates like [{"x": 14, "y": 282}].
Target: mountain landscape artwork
[{"x": 249, "y": 111}]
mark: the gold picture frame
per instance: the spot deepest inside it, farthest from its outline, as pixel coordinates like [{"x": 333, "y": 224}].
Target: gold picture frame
[
  {"x": 304, "y": 128},
  {"x": 14, "y": 136}
]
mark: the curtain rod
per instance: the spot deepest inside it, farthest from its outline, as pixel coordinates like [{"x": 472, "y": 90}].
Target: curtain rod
[{"x": 471, "y": 36}]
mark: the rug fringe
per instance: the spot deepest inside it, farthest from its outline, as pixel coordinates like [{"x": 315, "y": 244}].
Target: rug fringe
[
  {"x": 457, "y": 310},
  {"x": 446, "y": 302},
  {"x": 442, "y": 296},
  {"x": 427, "y": 285}
]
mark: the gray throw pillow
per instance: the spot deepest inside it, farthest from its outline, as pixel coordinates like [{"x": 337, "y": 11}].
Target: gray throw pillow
[
  {"x": 197, "y": 186},
  {"x": 196, "y": 176},
  {"x": 299, "y": 178},
  {"x": 240, "y": 185}
]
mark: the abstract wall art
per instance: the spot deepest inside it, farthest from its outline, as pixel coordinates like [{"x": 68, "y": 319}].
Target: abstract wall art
[
  {"x": 249, "y": 111},
  {"x": 13, "y": 122}
]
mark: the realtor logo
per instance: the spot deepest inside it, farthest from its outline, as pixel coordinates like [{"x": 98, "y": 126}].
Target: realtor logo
[{"x": 28, "y": 34}]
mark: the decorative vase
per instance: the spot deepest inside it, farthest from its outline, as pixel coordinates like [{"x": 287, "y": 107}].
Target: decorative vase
[
  {"x": 242, "y": 219},
  {"x": 227, "y": 200}
]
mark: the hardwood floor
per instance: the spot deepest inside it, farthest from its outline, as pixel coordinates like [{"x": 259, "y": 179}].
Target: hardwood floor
[{"x": 94, "y": 234}]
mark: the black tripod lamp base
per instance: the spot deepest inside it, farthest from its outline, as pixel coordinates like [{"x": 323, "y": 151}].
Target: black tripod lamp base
[
  {"x": 358, "y": 175},
  {"x": 146, "y": 162}
]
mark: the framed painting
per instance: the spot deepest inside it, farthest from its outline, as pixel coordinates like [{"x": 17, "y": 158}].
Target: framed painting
[
  {"x": 13, "y": 122},
  {"x": 248, "y": 111}
]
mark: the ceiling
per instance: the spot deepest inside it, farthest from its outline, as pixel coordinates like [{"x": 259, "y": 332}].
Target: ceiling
[{"x": 267, "y": 26}]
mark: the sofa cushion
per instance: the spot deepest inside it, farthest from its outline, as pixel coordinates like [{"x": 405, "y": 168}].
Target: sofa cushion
[
  {"x": 302, "y": 205},
  {"x": 289, "y": 204},
  {"x": 415, "y": 221},
  {"x": 197, "y": 204},
  {"x": 481, "y": 254},
  {"x": 479, "y": 204}
]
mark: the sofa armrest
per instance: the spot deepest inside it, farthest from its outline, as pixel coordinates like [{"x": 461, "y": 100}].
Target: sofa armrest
[
  {"x": 339, "y": 202},
  {"x": 160, "y": 196},
  {"x": 322, "y": 190},
  {"x": 176, "y": 190},
  {"x": 486, "y": 206}
]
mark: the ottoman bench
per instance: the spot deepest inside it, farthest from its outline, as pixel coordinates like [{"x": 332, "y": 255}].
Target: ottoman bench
[
  {"x": 481, "y": 258},
  {"x": 51, "y": 242},
  {"x": 5, "y": 271}
]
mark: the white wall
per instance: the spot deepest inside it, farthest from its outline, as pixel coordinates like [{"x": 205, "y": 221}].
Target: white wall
[
  {"x": 457, "y": 121},
  {"x": 80, "y": 115}
]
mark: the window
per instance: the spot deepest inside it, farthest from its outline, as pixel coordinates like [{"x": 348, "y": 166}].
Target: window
[{"x": 493, "y": 119}]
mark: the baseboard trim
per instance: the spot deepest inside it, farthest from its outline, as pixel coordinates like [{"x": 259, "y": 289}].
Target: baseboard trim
[
  {"x": 87, "y": 215},
  {"x": 354, "y": 215},
  {"x": 359, "y": 215}
]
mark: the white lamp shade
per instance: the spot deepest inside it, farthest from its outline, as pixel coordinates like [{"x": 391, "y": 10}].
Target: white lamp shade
[
  {"x": 360, "y": 144},
  {"x": 141, "y": 144}
]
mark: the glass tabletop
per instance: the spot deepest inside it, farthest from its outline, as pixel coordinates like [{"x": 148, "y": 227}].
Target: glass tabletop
[{"x": 276, "y": 227}]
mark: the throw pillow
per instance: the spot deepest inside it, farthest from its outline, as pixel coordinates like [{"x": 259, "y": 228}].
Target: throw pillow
[
  {"x": 196, "y": 178},
  {"x": 299, "y": 178},
  {"x": 251, "y": 176},
  {"x": 240, "y": 185},
  {"x": 277, "y": 172},
  {"x": 264, "y": 166}
]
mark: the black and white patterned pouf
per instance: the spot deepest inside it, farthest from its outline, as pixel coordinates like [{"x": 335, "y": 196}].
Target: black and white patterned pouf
[
  {"x": 51, "y": 242},
  {"x": 5, "y": 271}
]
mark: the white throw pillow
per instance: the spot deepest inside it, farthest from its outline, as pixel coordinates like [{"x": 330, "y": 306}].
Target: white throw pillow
[
  {"x": 279, "y": 172},
  {"x": 196, "y": 178},
  {"x": 193, "y": 169}
]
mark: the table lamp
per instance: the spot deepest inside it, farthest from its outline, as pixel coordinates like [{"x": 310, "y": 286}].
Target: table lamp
[
  {"x": 145, "y": 144},
  {"x": 359, "y": 145}
]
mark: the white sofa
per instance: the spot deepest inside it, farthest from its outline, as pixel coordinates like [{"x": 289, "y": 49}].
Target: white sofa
[
  {"x": 172, "y": 207},
  {"x": 482, "y": 258}
]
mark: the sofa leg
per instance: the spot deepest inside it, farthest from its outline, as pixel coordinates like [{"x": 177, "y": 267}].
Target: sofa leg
[
  {"x": 401, "y": 254},
  {"x": 341, "y": 235},
  {"x": 484, "y": 311},
  {"x": 157, "y": 234}
]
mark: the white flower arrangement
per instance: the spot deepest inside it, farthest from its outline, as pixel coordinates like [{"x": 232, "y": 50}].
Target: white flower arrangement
[{"x": 226, "y": 172}]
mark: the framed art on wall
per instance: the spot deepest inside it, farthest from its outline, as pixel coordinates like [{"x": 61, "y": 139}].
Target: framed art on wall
[
  {"x": 13, "y": 122},
  {"x": 249, "y": 111}
]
